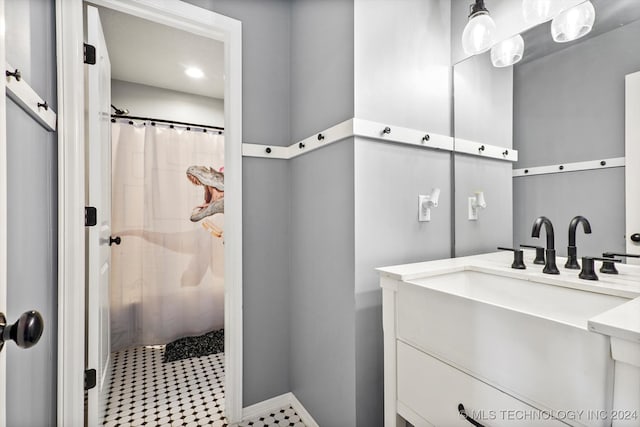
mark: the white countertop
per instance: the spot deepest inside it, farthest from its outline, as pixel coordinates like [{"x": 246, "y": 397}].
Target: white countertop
[{"x": 622, "y": 321}]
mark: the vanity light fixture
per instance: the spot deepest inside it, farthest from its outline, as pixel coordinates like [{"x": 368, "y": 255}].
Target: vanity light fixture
[
  {"x": 573, "y": 23},
  {"x": 476, "y": 202},
  {"x": 194, "y": 72},
  {"x": 537, "y": 11},
  {"x": 507, "y": 52},
  {"x": 425, "y": 203},
  {"x": 479, "y": 33}
]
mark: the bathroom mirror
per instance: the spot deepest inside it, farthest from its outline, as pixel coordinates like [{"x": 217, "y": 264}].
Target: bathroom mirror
[{"x": 561, "y": 105}]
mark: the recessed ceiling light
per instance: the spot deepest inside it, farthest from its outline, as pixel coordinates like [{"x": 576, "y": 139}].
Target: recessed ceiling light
[{"x": 194, "y": 73}]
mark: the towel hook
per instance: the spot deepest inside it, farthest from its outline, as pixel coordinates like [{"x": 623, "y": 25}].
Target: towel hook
[{"x": 16, "y": 74}]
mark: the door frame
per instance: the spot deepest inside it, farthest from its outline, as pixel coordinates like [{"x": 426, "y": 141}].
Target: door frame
[
  {"x": 3, "y": 218},
  {"x": 72, "y": 179},
  {"x": 632, "y": 162}
]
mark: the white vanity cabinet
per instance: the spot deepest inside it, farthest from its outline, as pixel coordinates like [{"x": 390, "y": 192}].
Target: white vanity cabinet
[
  {"x": 430, "y": 391},
  {"x": 514, "y": 348},
  {"x": 428, "y": 388}
]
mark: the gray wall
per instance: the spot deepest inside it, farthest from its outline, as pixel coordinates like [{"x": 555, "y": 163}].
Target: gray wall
[
  {"x": 266, "y": 300},
  {"x": 388, "y": 180},
  {"x": 561, "y": 197},
  {"x": 483, "y": 112},
  {"x": 569, "y": 107},
  {"x": 494, "y": 226},
  {"x": 321, "y": 65},
  {"x": 32, "y": 216},
  {"x": 322, "y": 275},
  {"x": 265, "y": 66},
  {"x": 265, "y": 120},
  {"x": 158, "y": 103},
  {"x": 322, "y": 244}
]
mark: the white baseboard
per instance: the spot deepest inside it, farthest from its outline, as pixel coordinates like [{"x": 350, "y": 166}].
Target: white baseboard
[
  {"x": 276, "y": 403},
  {"x": 305, "y": 416}
]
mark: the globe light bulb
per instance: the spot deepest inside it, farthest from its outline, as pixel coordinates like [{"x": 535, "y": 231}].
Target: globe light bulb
[
  {"x": 479, "y": 34},
  {"x": 573, "y": 23},
  {"x": 537, "y": 11},
  {"x": 507, "y": 52}
]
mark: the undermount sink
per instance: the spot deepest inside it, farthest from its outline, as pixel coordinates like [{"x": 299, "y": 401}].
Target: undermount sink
[{"x": 517, "y": 334}]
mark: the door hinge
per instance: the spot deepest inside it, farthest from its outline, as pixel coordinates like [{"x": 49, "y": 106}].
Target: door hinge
[
  {"x": 90, "y": 216},
  {"x": 89, "y": 379},
  {"x": 89, "y": 54}
]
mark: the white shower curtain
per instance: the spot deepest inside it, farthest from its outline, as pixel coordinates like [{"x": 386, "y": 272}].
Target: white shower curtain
[{"x": 168, "y": 272}]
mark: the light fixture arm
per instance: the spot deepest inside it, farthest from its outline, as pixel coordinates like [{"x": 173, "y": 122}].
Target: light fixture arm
[{"x": 478, "y": 8}]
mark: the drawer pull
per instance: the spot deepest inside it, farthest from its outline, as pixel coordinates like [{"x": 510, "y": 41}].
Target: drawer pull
[{"x": 463, "y": 414}]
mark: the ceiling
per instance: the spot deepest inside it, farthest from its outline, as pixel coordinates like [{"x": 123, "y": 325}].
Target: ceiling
[{"x": 148, "y": 53}]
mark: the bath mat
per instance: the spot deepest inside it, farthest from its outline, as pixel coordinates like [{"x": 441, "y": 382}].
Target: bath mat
[{"x": 202, "y": 345}]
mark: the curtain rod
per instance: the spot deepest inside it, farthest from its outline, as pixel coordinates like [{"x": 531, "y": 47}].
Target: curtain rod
[{"x": 149, "y": 119}]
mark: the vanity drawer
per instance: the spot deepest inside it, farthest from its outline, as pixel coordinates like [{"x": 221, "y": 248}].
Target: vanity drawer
[{"x": 433, "y": 390}]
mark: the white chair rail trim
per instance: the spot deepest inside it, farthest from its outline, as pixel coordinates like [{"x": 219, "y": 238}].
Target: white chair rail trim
[
  {"x": 380, "y": 132},
  {"x": 615, "y": 162}
]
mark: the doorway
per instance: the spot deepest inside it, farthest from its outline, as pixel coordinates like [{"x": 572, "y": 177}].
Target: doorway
[{"x": 225, "y": 31}]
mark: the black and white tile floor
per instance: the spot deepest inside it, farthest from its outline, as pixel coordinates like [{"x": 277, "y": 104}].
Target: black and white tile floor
[{"x": 144, "y": 391}]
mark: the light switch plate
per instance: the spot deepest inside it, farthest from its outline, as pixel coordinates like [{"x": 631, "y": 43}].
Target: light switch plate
[
  {"x": 473, "y": 213},
  {"x": 424, "y": 214}
]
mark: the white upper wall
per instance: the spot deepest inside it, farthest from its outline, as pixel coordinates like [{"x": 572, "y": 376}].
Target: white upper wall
[
  {"x": 483, "y": 107},
  {"x": 158, "y": 103},
  {"x": 402, "y": 63}
]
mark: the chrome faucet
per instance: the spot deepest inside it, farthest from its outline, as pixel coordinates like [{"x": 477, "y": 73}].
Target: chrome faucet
[
  {"x": 550, "y": 262},
  {"x": 572, "y": 252}
]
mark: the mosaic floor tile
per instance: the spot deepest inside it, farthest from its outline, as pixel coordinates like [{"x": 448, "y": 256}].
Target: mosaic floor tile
[{"x": 144, "y": 391}]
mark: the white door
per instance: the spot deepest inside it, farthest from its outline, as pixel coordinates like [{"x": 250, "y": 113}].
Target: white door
[
  {"x": 98, "y": 101},
  {"x": 632, "y": 161}
]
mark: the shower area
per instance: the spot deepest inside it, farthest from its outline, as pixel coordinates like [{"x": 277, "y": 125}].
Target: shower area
[{"x": 167, "y": 278}]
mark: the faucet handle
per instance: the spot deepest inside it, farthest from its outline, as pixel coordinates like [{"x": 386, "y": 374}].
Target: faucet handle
[
  {"x": 608, "y": 266},
  {"x": 539, "y": 253},
  {"x": 588, "y": 271},
  {"x": 518, "y": 258}
]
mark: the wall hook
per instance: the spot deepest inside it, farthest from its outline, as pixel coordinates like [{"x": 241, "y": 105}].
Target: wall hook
[
  {"x": 301, "y": 145},
  {"x": 16, "y": 74},
  {"x": 386, "y": 131},
  {"x": 426, "y": 138},
  {"x": 268, "y": 150},
  {"x": 43, "y": 105},
  {"x": 505, "y": 153},
  {"x": 481, "y": 149},
  {"x": 320, "y": 137}
]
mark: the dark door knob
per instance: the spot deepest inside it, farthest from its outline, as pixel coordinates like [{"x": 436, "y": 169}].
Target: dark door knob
[
  {"x": 117, "y": 240},
  {"x": 26, "y": 332},
  {"x": 635, "y": 237}
]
